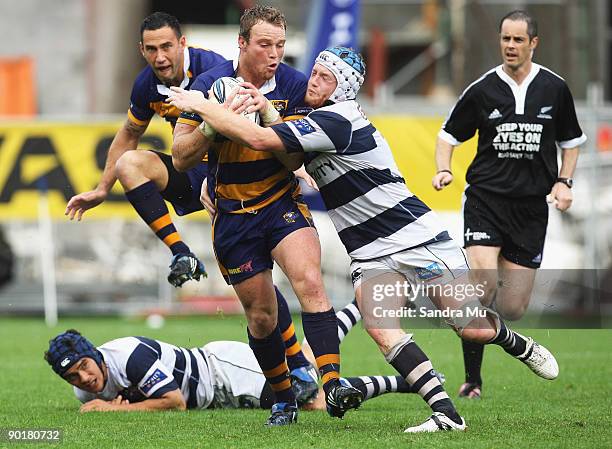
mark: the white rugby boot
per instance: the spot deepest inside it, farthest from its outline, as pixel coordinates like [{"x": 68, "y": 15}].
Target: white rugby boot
[
  {"x": 539, "y": 360},
  {"x": 437, "y": 422}
]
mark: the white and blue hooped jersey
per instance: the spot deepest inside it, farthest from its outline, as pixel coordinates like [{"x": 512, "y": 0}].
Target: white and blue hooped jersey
[
  {"x": 365, "y": 194},
  {"x": 154, "y": 368}
]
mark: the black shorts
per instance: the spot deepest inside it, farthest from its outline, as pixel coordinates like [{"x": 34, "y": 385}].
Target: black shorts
[
  {"x": 183, "y": 189},
  {"x": 517, "y": 225}
]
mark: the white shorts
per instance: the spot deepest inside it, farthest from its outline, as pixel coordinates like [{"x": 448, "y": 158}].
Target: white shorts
[
  {"x": 236, "y": 376},
  {"x": 440, "y": 261}
]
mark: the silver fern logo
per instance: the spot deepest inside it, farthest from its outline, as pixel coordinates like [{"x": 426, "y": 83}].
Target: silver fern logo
[{"x": 544, "y": 112}]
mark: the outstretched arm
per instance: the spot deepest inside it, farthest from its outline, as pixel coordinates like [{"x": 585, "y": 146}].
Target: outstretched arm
[
  {"x": 126, "y": 139},
  {"x": 172, "y": 400}
]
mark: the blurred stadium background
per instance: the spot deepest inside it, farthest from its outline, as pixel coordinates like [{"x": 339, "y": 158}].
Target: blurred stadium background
[{"x": 66, "y": 71}]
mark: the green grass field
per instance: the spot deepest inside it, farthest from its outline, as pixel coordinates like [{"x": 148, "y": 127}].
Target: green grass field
[{"x": 518, "y": 409}]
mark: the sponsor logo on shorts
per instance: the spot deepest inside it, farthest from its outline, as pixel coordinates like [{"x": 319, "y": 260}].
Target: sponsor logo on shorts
[
  {"x": 544, "y": 112},
  {"x": 476, "y": 235},
  {"x": 244, "y": 268},
  {"x": 537, "y": 259},
  {"x": 153, "y": 380},
  {"x": 290, "y": 216},
  {"x": 430, "y": 272},
  {"x": 356, "y": 275},
  {"x": 303, "y": 126}
]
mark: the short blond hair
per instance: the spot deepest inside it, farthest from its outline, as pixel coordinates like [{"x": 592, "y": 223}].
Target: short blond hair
[{"x": 260, "y": 13}]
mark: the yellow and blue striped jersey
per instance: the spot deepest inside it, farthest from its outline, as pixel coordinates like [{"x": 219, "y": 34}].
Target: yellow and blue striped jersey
[
  {"x": 149, "y": 94},
  {"x": 246, "y": 180}
]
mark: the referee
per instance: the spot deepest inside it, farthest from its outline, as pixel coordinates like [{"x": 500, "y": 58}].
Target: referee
[{"x": 522, "y": 112}]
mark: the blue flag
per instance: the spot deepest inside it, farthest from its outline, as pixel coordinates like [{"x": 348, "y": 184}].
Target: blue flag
[{"x": 330, "y": 23}]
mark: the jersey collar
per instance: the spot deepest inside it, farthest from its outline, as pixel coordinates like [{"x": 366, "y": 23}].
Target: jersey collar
[
  {"x": 165, "y": 90},
  {"x": 519, "y": 91},
  {"x": 267, "y": 87}
]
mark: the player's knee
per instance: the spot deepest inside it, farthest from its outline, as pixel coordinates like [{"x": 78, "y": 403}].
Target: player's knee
[
  {"x": 128, "y": 163},
  {"x": 310, "y": 285},
  {"x": 512, "y": 311},
  {"x": 311, "y": 279},
  {"x": 261, "y": 321}
]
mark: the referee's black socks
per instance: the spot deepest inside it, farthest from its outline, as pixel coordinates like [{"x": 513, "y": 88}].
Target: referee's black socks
[{"x": 472, "y": 360}]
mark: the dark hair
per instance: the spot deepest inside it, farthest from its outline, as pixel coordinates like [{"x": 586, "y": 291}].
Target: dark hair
[
  {"x": 260, "y": 13},
  {"x": 159, "y": 20},
  {"x": 524, "y": 16}
]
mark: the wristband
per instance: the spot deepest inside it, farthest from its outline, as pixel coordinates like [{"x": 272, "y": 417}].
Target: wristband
[
  {"x": 269, "y": 114},
  {"x": 445, "y": 170},
  {"x": 207, "y": 131}
]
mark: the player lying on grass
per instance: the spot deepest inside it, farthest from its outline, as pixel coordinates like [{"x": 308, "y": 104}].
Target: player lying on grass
[
  {"x": 142, "y": 374},
  {"x": 393, "y": 238}
]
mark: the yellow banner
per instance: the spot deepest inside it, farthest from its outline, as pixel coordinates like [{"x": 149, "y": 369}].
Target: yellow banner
[
  {"x": 62, "y": 159},
  {"x": 65, "y": 159},
  {"x": 412, "y": 140}
]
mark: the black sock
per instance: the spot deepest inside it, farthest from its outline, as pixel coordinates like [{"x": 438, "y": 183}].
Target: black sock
[
  {"x": 414, "y": 366},
  {"x": 270, "y": 354},
  {"x": 512, "y": 342},
  {"x": 293, "y": 349},
  {"x": 321, "y": 331},
  {"x": 151, "y": 207},
  {"x": 347, "y": 318},
  {"x": 472, "y": 360}
]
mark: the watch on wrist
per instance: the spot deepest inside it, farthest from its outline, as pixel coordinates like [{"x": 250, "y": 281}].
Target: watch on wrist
[{"x": 567, "y": 181}]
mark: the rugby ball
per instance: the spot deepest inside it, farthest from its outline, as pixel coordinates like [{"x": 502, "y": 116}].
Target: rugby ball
[{"x": 223, "y": 87}]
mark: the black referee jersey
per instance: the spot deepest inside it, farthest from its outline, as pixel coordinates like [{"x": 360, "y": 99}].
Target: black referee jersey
[{"x": 519, "y": 128}]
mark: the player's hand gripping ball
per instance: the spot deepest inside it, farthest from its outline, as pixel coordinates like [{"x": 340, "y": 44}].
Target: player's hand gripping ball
[{"x": 223, "y": 87}]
